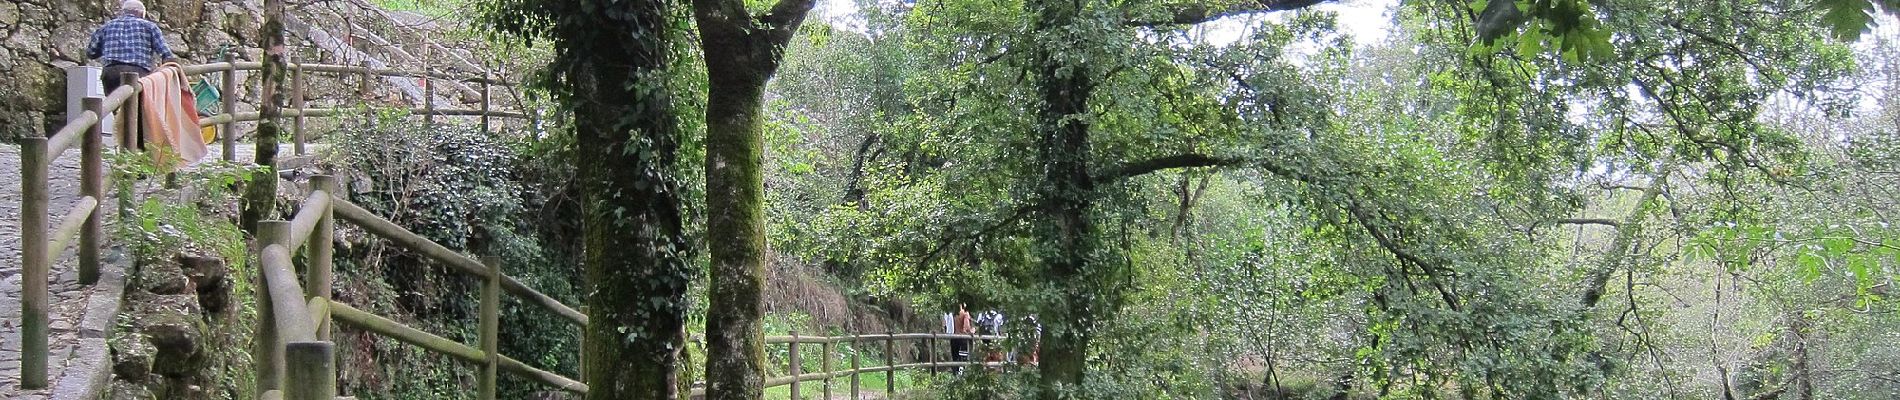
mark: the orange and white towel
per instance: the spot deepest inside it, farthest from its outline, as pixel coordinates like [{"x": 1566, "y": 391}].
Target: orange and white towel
[{"x": 167, "y": 107}]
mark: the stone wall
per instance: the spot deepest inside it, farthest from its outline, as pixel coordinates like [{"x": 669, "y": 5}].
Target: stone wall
[{"x": 40, "y": 38}]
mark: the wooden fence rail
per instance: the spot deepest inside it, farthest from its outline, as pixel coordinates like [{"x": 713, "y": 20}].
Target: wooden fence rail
[
  {"x": 293, "y": 348},
  {"x": 83, "y": 219},
  {"x": 829, "y": 350},
  {"x": 300, "y": 317}
]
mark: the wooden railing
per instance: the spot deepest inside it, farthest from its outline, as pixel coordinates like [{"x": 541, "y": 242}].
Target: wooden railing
[
  {"x": 297, "y": 111},
  {"x": 828, "y": 348},
  {"x": 294, "y": 321},
  {"x": 295, "y": 354},
  {"x": 40, "y": 248}
]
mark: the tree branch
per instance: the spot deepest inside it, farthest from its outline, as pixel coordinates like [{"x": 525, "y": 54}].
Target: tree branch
[
  {"x": 1589, "y": 221},
  {"x": 1191, "y": 14},
  {"x": 1152, "y": 165},
  {"x": 784, "y": 18}
]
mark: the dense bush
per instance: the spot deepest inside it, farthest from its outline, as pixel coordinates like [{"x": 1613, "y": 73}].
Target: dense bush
[{"x": 479, "y": 193}]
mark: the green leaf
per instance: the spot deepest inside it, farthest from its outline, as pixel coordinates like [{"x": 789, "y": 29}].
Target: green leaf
[
  {"x": 1847, "y": 19},
  {"x": 1838, "y": 246},
  {"x": 1810, "y": 263}
]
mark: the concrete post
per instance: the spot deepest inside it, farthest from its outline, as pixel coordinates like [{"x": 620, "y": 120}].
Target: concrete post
[
  {"x": 322, "y": 247},
  {"x": 311, "y": 373},
  {"x": 267, "y": 354},
  {"x": 490, "y": 328}
]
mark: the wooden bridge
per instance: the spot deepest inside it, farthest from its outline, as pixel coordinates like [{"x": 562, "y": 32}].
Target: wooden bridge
[{"x": 293, "y": 351}]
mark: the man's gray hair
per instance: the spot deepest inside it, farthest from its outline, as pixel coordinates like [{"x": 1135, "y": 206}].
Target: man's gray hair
[{"x": 132, "y": 7}]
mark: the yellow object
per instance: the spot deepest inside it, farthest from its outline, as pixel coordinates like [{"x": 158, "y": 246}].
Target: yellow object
[{"x": 210, "y": 133}]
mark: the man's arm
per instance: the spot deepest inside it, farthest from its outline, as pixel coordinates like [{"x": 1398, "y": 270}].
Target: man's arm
[
  {"x": 98, "y": 46},
  {"x": 158, "y": 43}
]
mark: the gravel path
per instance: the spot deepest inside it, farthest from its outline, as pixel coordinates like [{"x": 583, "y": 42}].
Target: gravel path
[{"x": 79, "y": 321}]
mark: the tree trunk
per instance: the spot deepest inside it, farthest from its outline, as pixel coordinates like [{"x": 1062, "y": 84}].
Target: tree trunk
[
  {"x": 742, "y": 52},
  {"x": 627, "y": 153},
  {"x": 736, "y": 237},
  {"x": 1066, "y": 232},
  {"x": 260, "y": 195},
  {"x": 612, "y": 67}
]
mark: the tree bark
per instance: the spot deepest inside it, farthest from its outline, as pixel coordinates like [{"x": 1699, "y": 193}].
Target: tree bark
[
  {"x": 260, "y": 195},
  {"x": 1065, "y": 231},
  {"x": 1626, "y": 235},
  {"x": 742, "y": 53},
  {"x": 635, "y": 249}
]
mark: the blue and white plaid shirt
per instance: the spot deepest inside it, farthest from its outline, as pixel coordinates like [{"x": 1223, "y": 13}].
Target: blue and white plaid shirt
[{"x": 128, "y": 40}]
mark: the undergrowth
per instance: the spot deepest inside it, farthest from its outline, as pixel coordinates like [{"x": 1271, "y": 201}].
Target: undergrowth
[{"x": 196, "y": 218}]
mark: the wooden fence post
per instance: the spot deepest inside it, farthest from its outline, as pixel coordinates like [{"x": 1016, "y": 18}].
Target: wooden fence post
[
  {"x": 311, "y": 373},
  {"x": 428, "y": 88},
  {"x": 297, "y": 92},
  {"x": 229, "y": 135},
  {"x": 583, "y": 357},
  {"x": 92, "y": 183},
  {"x": 322, "y": 247},
  {"x": 491, "y": 328},
  {"x": 890, "y": 365},
  {"x": 362, "y": 85},
  {"x": 130, "y": 131},
  {"x": 827, "y": 366},
  {"x": 930, "y": 353},
  {"x": 33, "y": 244},
  {"x": 795, "y": 361},
  {"x": 486, "y": 108},
  {"x": 857, "y": 365},
  {"x": 268, "y": 354}
]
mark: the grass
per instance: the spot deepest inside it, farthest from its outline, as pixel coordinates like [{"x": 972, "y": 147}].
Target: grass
[
  {"x": 872, "y": 384},
  {"x": 434, "y": 8}
]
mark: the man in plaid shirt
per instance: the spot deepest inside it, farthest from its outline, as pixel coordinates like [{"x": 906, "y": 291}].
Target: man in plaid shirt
[{"x": 127, "y": 43}]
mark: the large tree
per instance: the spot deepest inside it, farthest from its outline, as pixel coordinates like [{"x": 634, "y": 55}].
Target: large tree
[
  {"x": 611, "y": 69},
  {"x": 743, "y": 50}
]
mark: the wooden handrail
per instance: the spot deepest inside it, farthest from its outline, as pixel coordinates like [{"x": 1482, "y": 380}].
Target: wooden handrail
[
  {"x": 325, "y": 112},
  {"x": 206, "y": 68},
  {"x": 312, "y": 211},
  {"x": 286, "y": 297},
  {"x": 69, "y": 135},
  {"x": 896, "y": 336},
  {"x": 437, "y": 344},
  {"x": 403, "y": 237},
  {"x": 69, "y": 226}
]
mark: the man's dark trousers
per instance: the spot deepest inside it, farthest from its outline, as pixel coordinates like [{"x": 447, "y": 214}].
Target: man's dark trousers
[{"x": 110, "y": 76}]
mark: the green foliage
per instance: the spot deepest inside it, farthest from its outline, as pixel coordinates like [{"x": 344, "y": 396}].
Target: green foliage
[{"x": 470, "y": 191}]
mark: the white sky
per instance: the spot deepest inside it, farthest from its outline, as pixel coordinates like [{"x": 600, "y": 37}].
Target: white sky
[{"x": 1368, "y": 21}]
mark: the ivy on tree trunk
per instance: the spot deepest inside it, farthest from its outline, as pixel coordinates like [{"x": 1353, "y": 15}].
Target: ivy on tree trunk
[{"x": 612, "y": 65}]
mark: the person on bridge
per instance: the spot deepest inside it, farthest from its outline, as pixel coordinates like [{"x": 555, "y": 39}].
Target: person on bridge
[{"x": 127, "y": 44}]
